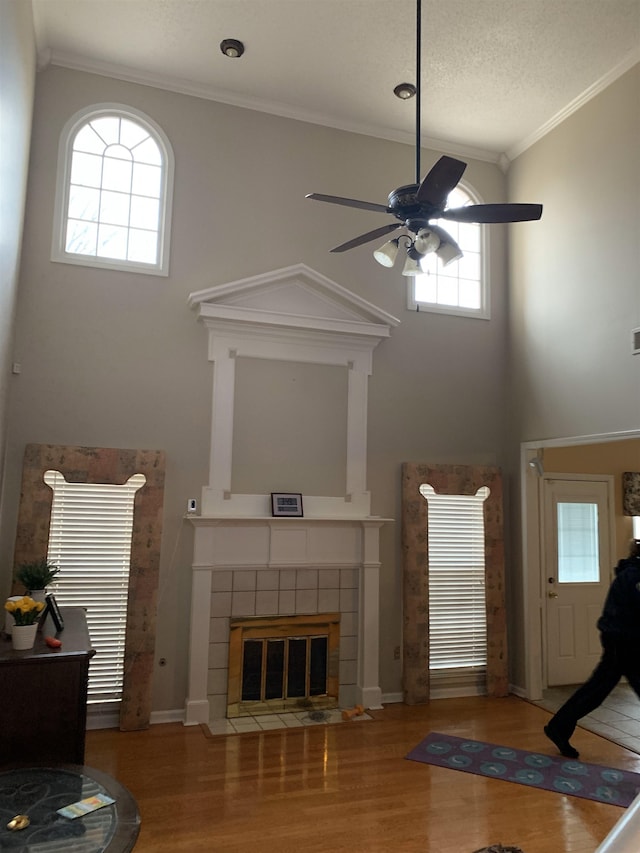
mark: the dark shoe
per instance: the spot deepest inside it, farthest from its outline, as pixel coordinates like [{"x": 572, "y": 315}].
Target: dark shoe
[{"x": 564, "y": 747}]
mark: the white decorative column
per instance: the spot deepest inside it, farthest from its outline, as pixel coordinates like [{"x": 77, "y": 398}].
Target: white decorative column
[
  {"x": 197, "y": 704},
  {"x": 369, "y": 633}
]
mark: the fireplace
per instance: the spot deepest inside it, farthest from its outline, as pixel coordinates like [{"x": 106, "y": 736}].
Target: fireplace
[
  {"x": 311, "y": 576},
  {"x": 279, "y": 664},
  {"x": 249, "y": 565}
]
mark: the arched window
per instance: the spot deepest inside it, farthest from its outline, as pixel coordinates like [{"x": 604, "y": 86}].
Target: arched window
[
  {"x": 113, "y": 196},
  {"x": 460, "y": 286}
]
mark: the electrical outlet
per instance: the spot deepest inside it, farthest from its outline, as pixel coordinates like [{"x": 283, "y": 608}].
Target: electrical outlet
[
  {"x": 192, "y": 505},
  {"x": 396, "y": 653}
]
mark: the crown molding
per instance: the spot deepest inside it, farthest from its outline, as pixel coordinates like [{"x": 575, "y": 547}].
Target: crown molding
[
  {"x": 276, "y": 108},
  {"x": 599, "y": 86}
]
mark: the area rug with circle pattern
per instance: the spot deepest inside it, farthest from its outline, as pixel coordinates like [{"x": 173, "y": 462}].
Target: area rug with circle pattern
[{"x": 537, "y": 770}]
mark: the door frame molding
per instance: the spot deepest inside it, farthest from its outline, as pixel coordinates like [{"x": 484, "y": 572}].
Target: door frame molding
[{"x": 531, "y": 553}]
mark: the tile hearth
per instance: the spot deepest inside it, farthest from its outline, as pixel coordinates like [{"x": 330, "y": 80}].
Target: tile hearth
[{"x": 265, "y": 722}]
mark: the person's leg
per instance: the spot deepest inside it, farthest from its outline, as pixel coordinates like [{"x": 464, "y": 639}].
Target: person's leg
[
  {"x": 631, "y": 667},
  {"x": 586, "y": 699}
]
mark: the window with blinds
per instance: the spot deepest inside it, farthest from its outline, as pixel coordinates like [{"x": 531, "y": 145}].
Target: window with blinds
[
  {"x": 90, "y": 541},
  {"x": 578, "y": 545},
  {"x": 457, "y": 609}
]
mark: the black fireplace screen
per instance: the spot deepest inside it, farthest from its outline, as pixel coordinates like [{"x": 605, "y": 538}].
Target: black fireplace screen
[{"x": 292, "y": 667}]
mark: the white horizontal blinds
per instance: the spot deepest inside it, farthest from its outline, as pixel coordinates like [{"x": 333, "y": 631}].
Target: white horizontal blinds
[
  {"x": 457, "y": 608},
  {"x": 578, "y": 546},
  {"x": 90, "y": 541}
]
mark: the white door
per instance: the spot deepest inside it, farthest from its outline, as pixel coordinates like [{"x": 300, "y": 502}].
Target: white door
[{"x": 577, "y": 570}]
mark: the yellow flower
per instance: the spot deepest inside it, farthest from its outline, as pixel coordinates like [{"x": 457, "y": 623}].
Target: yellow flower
[{"x": 25, "y": 610}]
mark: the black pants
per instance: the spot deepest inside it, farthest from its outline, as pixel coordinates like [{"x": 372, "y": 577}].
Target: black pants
[{"x": 619, "y": 657}]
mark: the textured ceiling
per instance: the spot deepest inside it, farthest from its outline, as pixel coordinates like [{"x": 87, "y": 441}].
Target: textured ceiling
[{"x": 496, "y": 74}]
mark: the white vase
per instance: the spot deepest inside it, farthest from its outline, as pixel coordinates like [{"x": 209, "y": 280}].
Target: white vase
[
  {"x": 38, "y": 594},
  {"x": 24, "y": 636}
]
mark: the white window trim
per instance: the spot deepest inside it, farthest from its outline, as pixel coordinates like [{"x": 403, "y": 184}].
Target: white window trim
[
  {"x": 58, "y": 253},
  {"x": 484, "y": 312}
]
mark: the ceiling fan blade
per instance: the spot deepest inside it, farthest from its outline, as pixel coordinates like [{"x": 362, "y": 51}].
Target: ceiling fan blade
[
  {"x": 440, "y": 180},
  {"x": 365, "y": 238},
  {"x": 494, "y": 213},
  {"x": 349, "y": 202}
]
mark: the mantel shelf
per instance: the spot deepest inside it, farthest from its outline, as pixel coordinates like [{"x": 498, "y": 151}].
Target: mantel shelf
[{"x": 308, "y": 519}]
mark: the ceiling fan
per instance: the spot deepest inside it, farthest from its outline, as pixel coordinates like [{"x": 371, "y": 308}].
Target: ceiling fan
[{"x": 417, "y": 205}]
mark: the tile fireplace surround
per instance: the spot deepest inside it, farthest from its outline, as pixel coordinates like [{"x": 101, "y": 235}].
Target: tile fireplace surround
[{"x": 247, "y": 567}]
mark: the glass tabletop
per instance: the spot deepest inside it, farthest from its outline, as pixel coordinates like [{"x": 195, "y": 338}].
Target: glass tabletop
[{"x": 38, "y": 793}]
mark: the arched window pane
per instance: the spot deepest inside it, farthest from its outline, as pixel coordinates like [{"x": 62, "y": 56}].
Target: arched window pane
[
  {"x": 86, "y": 169},
  {"x": 107, "y": 128},
  {"x": 118, "y": 172},
  {"x": 144, "y": 212},
  {"x": 82, "y": 237},
  {"x": 132, "y": 134},
  {"x": 142, "y": 245},
  {"x": 88, "y": 140},
  {"x": 116, "y": 175},
  {"x": 112, "y": 241},
  {"x": 84, "y": 203},
  {"x": 147, "y": 152},
  {"x": 146, "y": 180},
  {"x": 114, "y": 208}
]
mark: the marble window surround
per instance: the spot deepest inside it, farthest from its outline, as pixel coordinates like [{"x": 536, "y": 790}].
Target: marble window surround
[{"x": 107, "y": 465}]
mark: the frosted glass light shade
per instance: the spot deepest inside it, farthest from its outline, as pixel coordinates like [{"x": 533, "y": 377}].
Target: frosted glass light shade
[
  {"x": 426, "y": 241},
  {"x": 448, "y": 252},
  {"x": 387, "y": 254},
  {"x": 412, "y": 266}
]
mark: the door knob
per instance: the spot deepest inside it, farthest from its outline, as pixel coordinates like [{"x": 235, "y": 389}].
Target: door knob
[{"x": 552, "y": 594}]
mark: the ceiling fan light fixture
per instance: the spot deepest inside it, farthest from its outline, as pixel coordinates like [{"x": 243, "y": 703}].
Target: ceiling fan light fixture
[
  {"x": 448, "y": 253},
  {"x": 426, "y": 241},
  {"x": 387, "y": 253},
  {"x": 232, "y": 48},
  {"x": 412, "y": 264},
  {"x": 405, "y": 91}
]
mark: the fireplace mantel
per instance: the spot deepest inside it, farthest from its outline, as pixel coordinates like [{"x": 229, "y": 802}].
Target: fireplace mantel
[{"x": 242, "y": 550}]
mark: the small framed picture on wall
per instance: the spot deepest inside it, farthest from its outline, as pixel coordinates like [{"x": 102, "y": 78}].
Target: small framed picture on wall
[{"x": 286, "y": 504}]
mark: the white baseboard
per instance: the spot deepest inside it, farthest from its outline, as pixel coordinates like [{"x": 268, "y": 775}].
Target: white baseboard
[
  {"x": 111, "y": 719},
  {"x": 176, "y": 716},
  {"x": 391, "y": 698}
]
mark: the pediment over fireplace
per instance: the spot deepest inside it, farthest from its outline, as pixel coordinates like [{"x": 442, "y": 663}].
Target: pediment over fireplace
[
  {"x": 294, "y": 297},
  {"x": 299, "y": 316}
]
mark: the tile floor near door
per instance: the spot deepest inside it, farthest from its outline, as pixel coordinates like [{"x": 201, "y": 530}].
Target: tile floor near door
[{"x": 617, "y": 719}]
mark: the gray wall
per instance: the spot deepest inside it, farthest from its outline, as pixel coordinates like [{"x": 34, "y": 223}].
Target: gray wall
[
  {"x": 575, "y": 290},
  {"x": 17, "y": 81},
  {"x": 114, "y": 359},
  {"x": 575, "y": 275}
]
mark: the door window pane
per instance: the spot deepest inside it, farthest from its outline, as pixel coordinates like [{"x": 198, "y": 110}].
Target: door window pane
[{"x": 578, "y": 546}]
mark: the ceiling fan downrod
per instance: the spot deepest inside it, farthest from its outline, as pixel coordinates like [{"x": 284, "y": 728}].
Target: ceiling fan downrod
[{"x": 418, "y": 84}]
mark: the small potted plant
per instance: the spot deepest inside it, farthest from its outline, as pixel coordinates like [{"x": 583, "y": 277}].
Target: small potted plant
[
  {"x": 36, "y": 576},
  {"x": 25, "y": 612}
]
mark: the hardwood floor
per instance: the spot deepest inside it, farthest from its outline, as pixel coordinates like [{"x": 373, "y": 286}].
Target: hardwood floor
[{"x": 348, "y": 788}]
